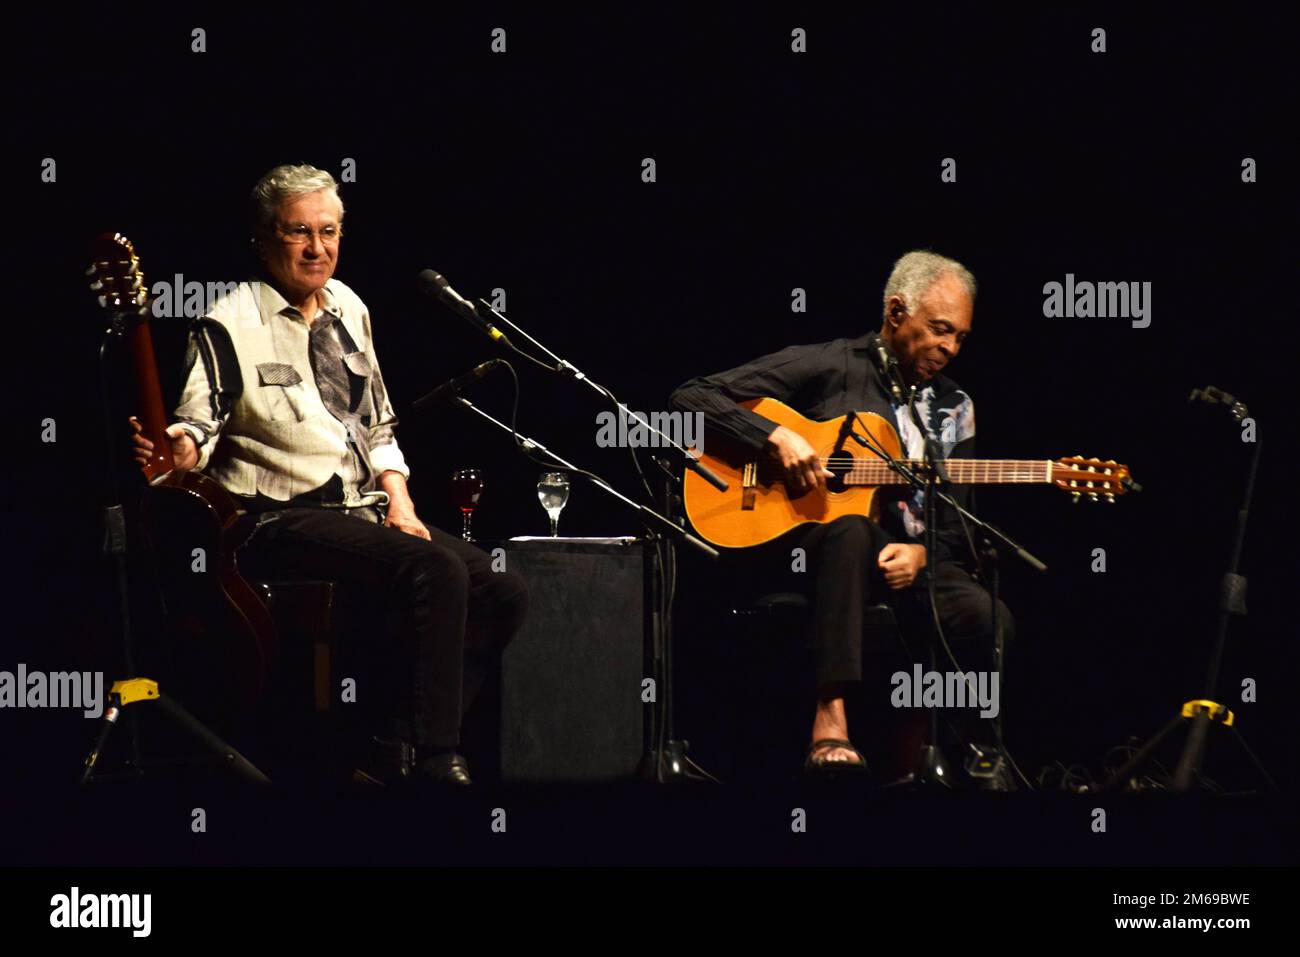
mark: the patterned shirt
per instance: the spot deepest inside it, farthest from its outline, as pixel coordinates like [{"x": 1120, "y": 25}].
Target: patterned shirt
[{"x": 285, "y": 412}]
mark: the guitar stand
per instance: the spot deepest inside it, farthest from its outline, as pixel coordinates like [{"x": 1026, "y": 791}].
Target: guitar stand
[
  {"x": 124, "y": 693},
  {"x": 133, "y": 690},
  {"x": 1202, "y": 713}
]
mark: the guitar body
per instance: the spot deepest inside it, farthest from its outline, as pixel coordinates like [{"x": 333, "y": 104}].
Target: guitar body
[
  {"x": 756, "y": 507},
  {"x": 220, "y": 629}
]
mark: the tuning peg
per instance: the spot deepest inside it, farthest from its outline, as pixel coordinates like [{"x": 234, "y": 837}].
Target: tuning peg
[
  {"x": 1075, "y": 496},
  {"x": 1110, "y": 497},
  {"x": 1092, "y": 495}
]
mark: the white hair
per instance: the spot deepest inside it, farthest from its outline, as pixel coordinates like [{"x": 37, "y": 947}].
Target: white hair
[
  {"x": 915, "y": 272},
  {"x": 285, "y": 183}
]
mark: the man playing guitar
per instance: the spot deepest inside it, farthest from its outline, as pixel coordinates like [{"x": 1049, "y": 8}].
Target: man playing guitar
[{"x": 854, "y": 561}]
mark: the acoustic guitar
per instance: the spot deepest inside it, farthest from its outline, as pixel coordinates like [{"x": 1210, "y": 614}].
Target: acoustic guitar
[
  {"x": 756, "y": 508},
  {"x": 222, "y": 635}
]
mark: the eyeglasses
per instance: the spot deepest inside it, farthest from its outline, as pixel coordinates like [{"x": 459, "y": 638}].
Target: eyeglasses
[{"x": 300, "y": 233}]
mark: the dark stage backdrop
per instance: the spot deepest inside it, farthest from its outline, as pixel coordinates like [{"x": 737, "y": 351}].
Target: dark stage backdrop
[{"x": 775, "y": 170}]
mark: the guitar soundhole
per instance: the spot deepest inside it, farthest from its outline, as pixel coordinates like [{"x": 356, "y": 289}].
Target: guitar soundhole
[{"x": 841, "y": 463}]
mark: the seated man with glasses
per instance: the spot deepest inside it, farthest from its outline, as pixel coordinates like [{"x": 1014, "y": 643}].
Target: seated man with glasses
[{"x": 284, "y": 405}]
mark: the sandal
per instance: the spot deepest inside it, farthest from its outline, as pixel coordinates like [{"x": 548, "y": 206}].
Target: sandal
[{"x": 821, "y": 766}]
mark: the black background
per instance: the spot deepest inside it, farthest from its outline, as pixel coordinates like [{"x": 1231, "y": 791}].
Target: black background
[{"x": 775, "y": 171}]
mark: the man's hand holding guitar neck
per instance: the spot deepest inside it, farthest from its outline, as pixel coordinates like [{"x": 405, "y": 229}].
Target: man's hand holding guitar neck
[{"x": 185, "y": 454}]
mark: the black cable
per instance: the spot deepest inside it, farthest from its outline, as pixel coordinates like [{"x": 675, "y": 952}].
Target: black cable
[
  {"x": 636, "y": 463},
  {"x": 604, "y": 391},
  {"x": 537, "y": 362},
  {"x": 520, "y": 445}
]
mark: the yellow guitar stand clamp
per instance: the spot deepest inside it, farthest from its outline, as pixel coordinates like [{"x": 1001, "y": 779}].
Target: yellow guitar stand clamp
[
  {"x": 1218, "y": 713},
  {"x": 1202, "y": 714},
  {"x": 136, "y": 690}
]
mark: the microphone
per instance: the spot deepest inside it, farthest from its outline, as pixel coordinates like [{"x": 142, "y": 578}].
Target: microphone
[
  {"x": 1214, "y": 396},
  {"x": 888, "y": 368},
  {"x": 435, "y": 286},
  {"x": 452, "y": 387}
]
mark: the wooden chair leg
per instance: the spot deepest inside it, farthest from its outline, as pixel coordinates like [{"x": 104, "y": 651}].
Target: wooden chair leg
[{"x": 322, "y": 662}]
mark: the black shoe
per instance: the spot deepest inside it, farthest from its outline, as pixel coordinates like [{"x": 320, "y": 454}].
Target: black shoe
[
  {"x": 392, "y": 762},
  {"x": 388, "y": 761},
  {"x": 448, "y": 768}
]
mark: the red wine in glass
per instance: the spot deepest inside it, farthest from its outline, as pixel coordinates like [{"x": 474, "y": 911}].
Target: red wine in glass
[{"x": 466, "y": 488}]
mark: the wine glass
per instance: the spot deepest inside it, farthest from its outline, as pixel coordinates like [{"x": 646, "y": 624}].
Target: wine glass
[
  {"x": 553, "y": 493},
  {"x": 466, "y": 487}
]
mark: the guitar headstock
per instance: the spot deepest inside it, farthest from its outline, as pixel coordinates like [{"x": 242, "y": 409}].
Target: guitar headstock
[
  {"x": 1091, "y": 479},
  {"x": 115, "y": 275}
]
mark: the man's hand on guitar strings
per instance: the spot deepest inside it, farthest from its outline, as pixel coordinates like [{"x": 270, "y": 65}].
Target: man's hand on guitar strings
[{"x": 801, "y": 467}]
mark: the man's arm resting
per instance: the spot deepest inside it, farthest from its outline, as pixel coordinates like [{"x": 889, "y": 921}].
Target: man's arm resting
[
  {"x": 401, "y": 510},
  {"x": 901, "y": 562}
]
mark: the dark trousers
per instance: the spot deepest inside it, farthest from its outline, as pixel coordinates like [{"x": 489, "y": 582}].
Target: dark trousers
[
  {"x": 436, "y": 610},
  {"x": 838, "y": 573}
]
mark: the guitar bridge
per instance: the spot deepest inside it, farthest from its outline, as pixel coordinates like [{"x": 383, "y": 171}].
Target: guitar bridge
[{"x": 749, "y": 483}]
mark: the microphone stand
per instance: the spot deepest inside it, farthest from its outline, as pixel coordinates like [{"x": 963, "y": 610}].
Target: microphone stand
[
  {"x": 933, "y": 766},
  {"x": 483, "y": 308},
  {"x": 988, "y": 558},
  {"x": 665, "y": 759},
  {"x": 648, "y": 515}
]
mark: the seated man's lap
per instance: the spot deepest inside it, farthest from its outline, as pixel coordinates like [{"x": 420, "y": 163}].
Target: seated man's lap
[{"x": 309, "y": 543}]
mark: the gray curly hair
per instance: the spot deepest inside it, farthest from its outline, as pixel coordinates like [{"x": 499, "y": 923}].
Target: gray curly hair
[
  {"x": 287, "y": 182},
  {"x": 916, "y": 271}
]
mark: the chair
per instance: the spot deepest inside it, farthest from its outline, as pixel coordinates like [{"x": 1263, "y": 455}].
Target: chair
[
  {"x": 795, "y": 607},
  {"x": 782, "y": 722},
  {"x": 306, "y": 616}
]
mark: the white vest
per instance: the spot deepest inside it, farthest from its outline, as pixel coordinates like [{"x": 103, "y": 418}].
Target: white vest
[{"x": 279, "y": 438}]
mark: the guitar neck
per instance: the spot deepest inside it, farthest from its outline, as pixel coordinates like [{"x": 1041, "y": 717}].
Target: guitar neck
[
  {"x": 148, "y": 397},
  {"x": 961, "y": 471}
]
